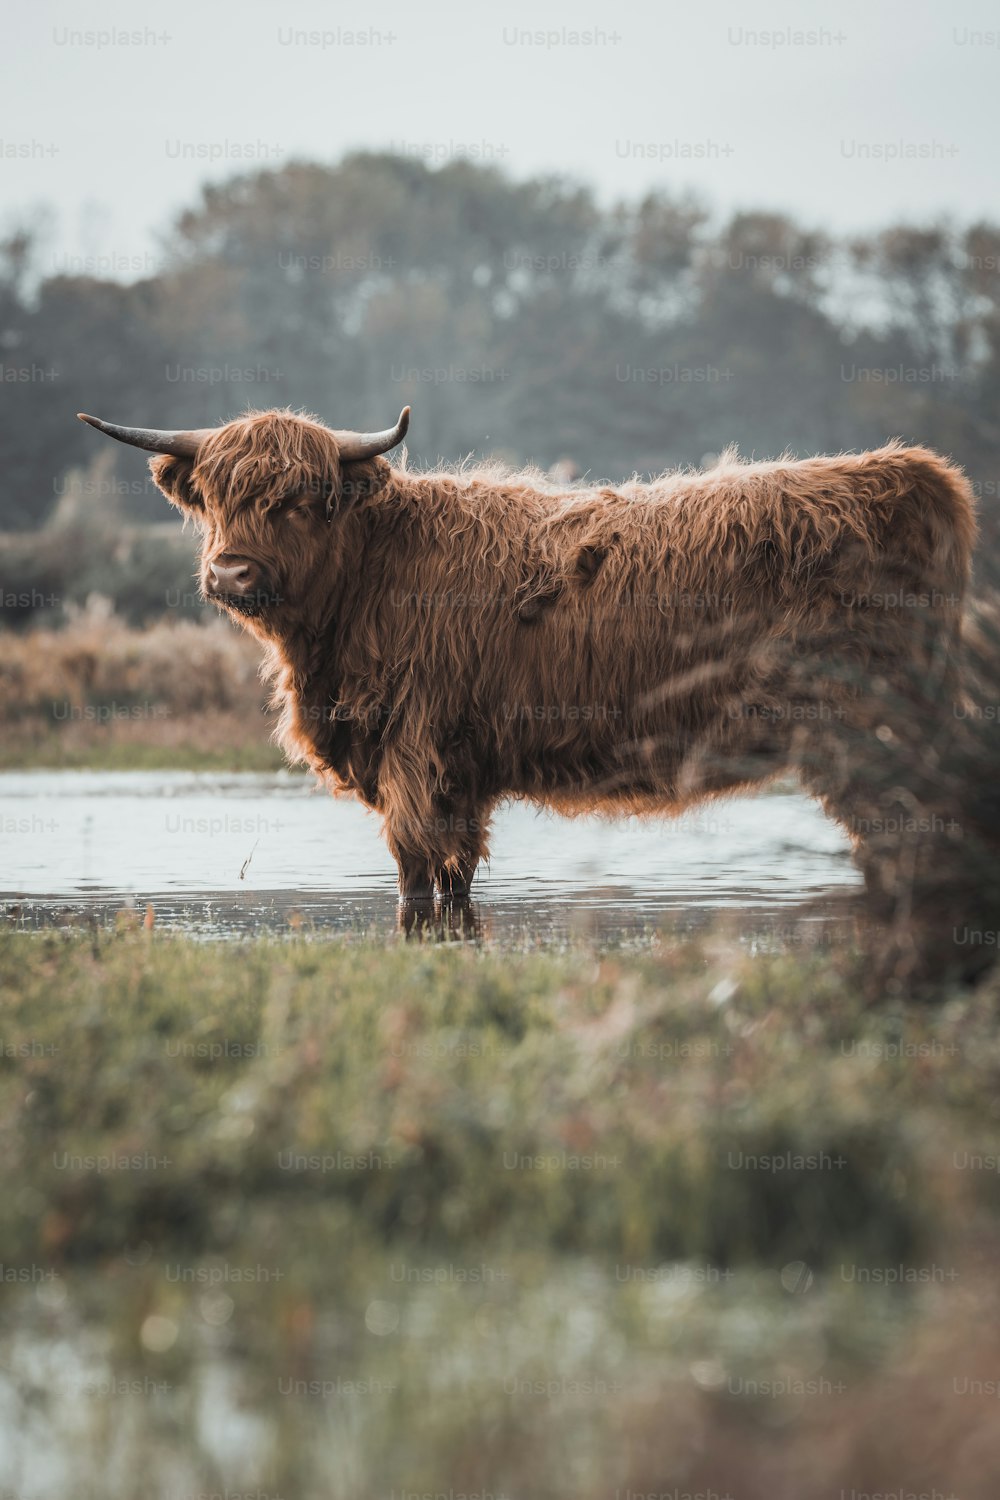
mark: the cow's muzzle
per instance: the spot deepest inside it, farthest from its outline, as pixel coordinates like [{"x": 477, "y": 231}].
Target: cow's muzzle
[{"x": 237, "y": 585}]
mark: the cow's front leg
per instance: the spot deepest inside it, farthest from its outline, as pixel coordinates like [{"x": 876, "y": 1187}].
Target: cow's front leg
[
  {"x": 463, "y": 826},
  {"x": 433, "y": 868},
  {"x": 434, "y": 819},
  {"x": 417, "y": 870},
  {"x": 454, "y": 881},
  {"x": 424, "y": 872},
  {"x": 441, "y": 857}
]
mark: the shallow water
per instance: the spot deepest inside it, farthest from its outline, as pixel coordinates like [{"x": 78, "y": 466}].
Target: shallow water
[{"x": 225, "y": 854}]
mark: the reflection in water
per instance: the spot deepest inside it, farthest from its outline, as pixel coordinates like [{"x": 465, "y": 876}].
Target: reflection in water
[{"x": 451, "y": 919}]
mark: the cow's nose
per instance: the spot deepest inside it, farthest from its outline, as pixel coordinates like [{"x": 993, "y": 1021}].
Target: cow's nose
[{"x": 229, "y": 578}]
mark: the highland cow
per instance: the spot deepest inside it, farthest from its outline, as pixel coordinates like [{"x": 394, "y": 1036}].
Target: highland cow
[{"x": 441, "y": 642}]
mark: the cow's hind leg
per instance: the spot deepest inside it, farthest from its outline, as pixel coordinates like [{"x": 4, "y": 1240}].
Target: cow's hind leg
[{"x": 877, "y": 757}]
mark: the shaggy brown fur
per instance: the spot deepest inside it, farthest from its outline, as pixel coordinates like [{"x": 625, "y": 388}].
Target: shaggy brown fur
[{"x": 442, "y": 641}]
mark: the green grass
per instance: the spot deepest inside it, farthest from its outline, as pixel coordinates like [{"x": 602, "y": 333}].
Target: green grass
[
  {"x": 535, "y": 1218},
  {"x": 46, "y": 749},
  {"x": 651, "y": 1074}
]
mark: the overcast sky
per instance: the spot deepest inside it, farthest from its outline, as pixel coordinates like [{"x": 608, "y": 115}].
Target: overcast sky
[{"x": 881, "y": 110}]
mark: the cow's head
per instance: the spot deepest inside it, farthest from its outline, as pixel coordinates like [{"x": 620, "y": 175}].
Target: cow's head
[{"x": 264, "y": 490}]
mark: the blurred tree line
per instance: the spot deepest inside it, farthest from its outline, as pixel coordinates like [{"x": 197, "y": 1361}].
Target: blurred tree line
[{"x": 518, "y": 318}]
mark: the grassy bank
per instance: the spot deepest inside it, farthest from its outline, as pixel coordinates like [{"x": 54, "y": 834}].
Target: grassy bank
[
  {"x": 101, "y": 695},
  {"x": 191, "y": 745},
  {"x": 428, "y": 1217}
]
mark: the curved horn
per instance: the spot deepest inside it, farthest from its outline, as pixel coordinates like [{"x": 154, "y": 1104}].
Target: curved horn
[
  {"x": 177, "y": 444},
  {"x": 355, "y": 446}
]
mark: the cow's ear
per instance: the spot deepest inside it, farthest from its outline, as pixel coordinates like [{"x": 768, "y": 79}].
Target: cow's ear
[
  {"x": 173, "y": 477},
  {"x": 358, "y": 481}
]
